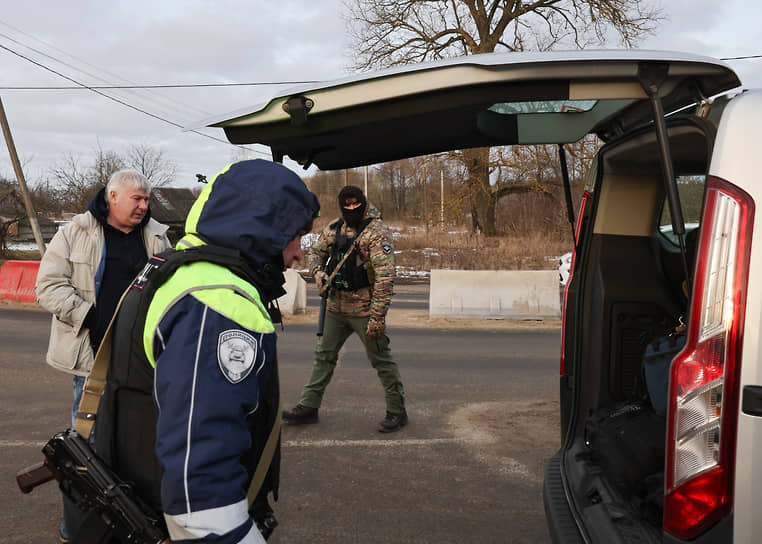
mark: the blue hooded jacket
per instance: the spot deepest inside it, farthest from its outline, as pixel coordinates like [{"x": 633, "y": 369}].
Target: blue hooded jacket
[
  {"x": 254, "y": 206},
  {"x": 214, "y": 349}
]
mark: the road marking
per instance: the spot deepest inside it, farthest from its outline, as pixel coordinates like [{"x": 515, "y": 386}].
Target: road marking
[
  {"x": 501, "y": 464},
  {"x": 370, "y": 443},
  {"x": 304, "y": 443},
  {"x": 21, "y": 444}
]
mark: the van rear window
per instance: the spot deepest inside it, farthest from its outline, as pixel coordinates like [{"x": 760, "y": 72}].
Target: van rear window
[
  {"x": 691, "y": 191},
  {"x": 543, "y": 106}
]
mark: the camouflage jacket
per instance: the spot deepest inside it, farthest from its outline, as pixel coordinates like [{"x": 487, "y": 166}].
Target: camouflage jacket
[{"x": 376, "y": 250}]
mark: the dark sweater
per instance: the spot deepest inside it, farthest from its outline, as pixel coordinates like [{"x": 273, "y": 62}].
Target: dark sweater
[{"x": 125, "y": 257}]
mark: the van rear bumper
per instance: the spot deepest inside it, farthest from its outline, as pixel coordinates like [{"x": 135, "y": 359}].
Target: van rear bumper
[
  {"x": 561, "y": 524},
  {"x": 563, "y": 528},
  {"x": 720, "y": 533}
]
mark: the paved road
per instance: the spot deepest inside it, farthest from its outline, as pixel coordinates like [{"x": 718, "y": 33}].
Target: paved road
[{"x": 483, "y": 408}]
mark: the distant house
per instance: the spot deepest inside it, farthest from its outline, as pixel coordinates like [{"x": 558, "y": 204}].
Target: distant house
[
  {"x": 170, "y": 206},
  {"x": 21, "y": 231},
  {"x": 14, "y": 225}
]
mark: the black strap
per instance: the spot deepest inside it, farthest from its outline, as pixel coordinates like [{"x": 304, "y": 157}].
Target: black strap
[{"x": 331, "y": 266}]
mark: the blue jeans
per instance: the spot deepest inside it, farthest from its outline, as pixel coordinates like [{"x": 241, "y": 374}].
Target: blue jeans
[{"x": 78, "y": 386}]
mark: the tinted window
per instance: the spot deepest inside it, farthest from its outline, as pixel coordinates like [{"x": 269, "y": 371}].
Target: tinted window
[{"x": 691, "y": 191}]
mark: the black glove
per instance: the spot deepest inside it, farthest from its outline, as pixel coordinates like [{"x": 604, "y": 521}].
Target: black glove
[{"x": 263, "y": 516}]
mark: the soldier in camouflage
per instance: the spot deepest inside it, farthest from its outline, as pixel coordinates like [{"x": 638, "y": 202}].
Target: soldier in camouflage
[{"x": 359, "y": 297}]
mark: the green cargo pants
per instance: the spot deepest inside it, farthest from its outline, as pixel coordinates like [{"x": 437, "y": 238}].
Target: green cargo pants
[{"x": 337, "y": 329}]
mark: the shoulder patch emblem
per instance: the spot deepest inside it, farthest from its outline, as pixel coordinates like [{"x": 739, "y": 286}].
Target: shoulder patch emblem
[
  {"x": 387, "y": 247},
  {"x": 236, "y": 354}
]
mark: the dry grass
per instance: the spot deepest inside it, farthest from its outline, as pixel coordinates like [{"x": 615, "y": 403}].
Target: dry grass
[
  {"x": 461, "y": 250},
  {"x": 533, "y": 248},
  {"x": 456, "y": 249},
  {"x": 19, "y": 255}
]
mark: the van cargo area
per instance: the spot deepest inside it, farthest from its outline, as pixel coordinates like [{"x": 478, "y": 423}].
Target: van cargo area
[{"x": 632, "y": 291}]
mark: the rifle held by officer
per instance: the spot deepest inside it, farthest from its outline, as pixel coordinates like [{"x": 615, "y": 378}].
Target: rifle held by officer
[{"x": 110, "y": 504}]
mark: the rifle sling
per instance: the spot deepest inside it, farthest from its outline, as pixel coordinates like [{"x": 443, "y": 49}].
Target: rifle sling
[{"x": 355, "y": 243}]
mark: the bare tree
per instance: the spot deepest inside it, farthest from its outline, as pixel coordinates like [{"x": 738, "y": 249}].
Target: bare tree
[
  {"x": 394, "y": 177},
  {"x": 395, "y": 32},
  {"x": 11, "y": 210},
  {"x": 47, "y": 200},
  {"x": 77, "y": 184},
  {"x": 152, "y": 163},
  {"x": 326, "y": 186},
  {"x": 106, "y": 163}
]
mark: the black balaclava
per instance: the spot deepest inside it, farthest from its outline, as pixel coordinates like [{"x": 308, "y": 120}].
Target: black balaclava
[{"x": 353, "y": 218}]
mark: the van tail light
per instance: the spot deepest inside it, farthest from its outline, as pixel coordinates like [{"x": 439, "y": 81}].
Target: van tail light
[
  {"x": 704, "y": 381},
  {"x": 585, "y": 198}
]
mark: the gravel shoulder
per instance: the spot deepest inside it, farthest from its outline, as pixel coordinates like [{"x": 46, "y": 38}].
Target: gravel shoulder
[
  {"x": 421, "y": 319},
  {"x": 395, "y": 318}
]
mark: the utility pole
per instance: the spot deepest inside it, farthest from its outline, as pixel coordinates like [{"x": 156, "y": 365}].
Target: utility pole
[
  {"x": 22, "y": 182},
  {"x": 425, "y": 196},
  {"x": 441, "y": 198}
]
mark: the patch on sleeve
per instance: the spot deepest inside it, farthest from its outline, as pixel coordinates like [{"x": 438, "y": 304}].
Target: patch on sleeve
[
  {"x": 236, "y": 354},
  {"x": 387, "y": 247}
]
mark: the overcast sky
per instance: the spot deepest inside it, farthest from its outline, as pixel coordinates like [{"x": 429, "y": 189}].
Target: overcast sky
[{"x": 221, "y": 41}]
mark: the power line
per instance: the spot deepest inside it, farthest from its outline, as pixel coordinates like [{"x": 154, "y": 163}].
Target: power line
[
  {"x": 119, "y": 101},
  {"x": 743, "y": 58},
  {"x": 157, "y": 100},
  {"x": 201, "y": 85},
  {"x": 167, "y": 86}
]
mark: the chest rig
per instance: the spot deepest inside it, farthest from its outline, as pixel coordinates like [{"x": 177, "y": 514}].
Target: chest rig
[{"x": 353, "y": 274}]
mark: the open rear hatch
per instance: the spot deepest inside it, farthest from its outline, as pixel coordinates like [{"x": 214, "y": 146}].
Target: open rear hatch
[{"x": 474, "y": 101}]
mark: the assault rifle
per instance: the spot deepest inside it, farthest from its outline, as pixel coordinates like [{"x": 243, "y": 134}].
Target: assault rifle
[
  {"x": 321, "y": 316},
  {"x": 112, "y": 506}
]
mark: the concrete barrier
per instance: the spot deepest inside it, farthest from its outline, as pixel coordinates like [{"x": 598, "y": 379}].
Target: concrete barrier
[
  {"x": 17, "y": 279},
  {"x": 295, "y": 299},
  {"x": 496, "y": 294}
]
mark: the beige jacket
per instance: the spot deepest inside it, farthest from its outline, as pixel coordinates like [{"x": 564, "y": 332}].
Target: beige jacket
[{"x": 66, "y": 286}]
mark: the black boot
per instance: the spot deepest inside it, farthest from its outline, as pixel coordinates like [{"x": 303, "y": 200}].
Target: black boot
[
  {"x": 300, "y": 415},
  {"x": 392, "y": 422}
]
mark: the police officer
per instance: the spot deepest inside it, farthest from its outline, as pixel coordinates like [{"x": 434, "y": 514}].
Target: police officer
[
  {"x": 192, "y": 387},
  {"x": 359, "y": 297}
]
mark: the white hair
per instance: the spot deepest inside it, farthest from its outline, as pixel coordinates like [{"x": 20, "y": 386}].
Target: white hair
[{"x": 127, "y": 178}]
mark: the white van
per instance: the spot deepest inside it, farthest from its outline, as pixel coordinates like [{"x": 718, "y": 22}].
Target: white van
[{"x": 666, "y": 450}]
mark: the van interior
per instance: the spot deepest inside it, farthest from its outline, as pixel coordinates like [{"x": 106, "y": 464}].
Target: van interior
[{"x": 632, "y": 291}]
